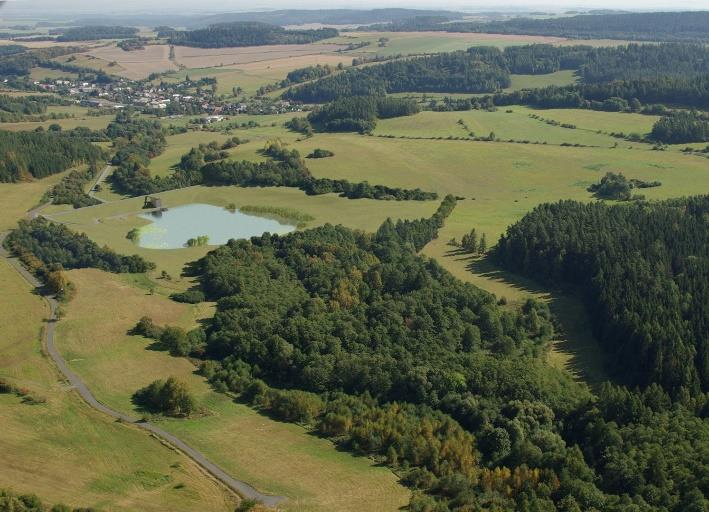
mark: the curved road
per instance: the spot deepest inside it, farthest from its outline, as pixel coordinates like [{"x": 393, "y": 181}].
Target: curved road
[{"x": 241, "y": 488}]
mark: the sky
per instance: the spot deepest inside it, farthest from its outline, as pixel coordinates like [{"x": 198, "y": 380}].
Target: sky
[{"x": 192, "y": 6}]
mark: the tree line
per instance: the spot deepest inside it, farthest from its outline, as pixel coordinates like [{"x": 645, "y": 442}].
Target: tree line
[
  {"x": 680, "y": 127},
  {"x": 285, "y": 168},
  {"x": 245, "y": 33},
  {"x": 13, "y": 502},
  {"x": 91, "y": 32},
  {"x": 649, "y": 26},
  {"x": 359, "y": 113},
  {"x": 43, "y": 244}
]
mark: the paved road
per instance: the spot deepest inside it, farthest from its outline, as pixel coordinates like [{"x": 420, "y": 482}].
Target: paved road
[
  {"x": 101, "y": 178},
  {"x": 241, "y": 488}
]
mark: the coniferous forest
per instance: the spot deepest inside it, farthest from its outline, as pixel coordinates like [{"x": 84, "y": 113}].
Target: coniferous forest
[
  {"x": 643, "y": 270},
  {"x": 38, "y": 154}
]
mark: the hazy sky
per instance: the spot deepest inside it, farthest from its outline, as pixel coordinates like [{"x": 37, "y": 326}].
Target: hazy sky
[{"x": 192, "y": 6}]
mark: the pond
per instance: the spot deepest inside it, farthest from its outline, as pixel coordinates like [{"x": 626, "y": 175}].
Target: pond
[{"x": 171, "y": 229}]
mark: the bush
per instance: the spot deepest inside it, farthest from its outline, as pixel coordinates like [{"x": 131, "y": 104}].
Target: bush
[{"x": 170, "y": 397}]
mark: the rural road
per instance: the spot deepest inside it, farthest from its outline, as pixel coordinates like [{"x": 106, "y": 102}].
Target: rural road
[
  {"x": 100, "y": 179},
  {"x": 241, "y": 488}
]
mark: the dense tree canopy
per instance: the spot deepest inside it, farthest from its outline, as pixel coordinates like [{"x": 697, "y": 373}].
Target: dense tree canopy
[
  {"x": 479, "y": 69},
  {"x": 89, "y": 33},
  {"x": 388, "y": 355},
  {"x": 646, "y": 26},
  {"x": 55, "y": 244},
  {"x": 644, "y": 271},
  {"x": 680, "y": 127},
  {"x": 359, "y": 113},
  {"x": 38, "y": 154},
  {"x": 244, "y": 33}
]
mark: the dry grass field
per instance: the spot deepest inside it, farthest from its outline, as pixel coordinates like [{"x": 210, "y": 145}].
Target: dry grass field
[
  {"x": 216, "y": 57},
  {"x": 137, "y": 64}
]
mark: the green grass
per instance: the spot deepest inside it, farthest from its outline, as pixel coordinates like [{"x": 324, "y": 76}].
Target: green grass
[
  {"x": 565, "y": 77},
  {"x": 276, "y": 457},
  {"x": 506, "y": 123},
  {"x": 64, "y": 451}
]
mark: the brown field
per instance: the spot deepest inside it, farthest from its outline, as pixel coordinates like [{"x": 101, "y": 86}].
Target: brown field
[
  {"x": 138, "y": 64},
  {"x": 212, "y": 57}
]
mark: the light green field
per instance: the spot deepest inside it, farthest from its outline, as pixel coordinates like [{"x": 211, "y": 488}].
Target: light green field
[
  {"x": 64, "y": 451},
  {"x": 431, "y": 42},
  {"x": 276, "y": 457},
  {"x": 506, "y": 123},
  {"x": 18, "y": 198},
  {"x": 565, "y": 77},
  {"x": 603, "y": 121}
]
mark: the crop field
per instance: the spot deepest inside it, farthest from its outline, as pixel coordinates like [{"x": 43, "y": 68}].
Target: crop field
[
  {"x": 136, "y": 64},
  {"x": 217, "y": 57},
  {"x": 52, "y": 74},
  {"x": 433, "y": 42},
  {"x": 276, "y": 457},
  {"x": 18, "y": 198},
  {"x": 66, "y": 452},
  {"x": 501, "y": 181}
]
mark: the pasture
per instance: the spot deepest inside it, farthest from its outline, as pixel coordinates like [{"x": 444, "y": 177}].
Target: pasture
[
  {"x": 276, "y": 457},
  {"x": 66, "y": 452},
  {"x": 506, "y": 123}
]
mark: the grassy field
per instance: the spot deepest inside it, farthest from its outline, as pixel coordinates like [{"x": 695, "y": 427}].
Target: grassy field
[
  {"x": 509, "y": 123},
  {"x": 275, "y": 457},
  {"x": 92, "y": 122},
  {"x": 64, "y": 451},
  {"x": 18, "y": 198},
  {"x": 565, "y": 77}
]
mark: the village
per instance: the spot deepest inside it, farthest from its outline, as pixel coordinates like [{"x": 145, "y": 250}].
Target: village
[{"x": 166, "y": 98}]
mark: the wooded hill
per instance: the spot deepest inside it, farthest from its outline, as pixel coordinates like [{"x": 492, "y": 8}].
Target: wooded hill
[
  {"x": 92, "y": 32},
  {"x": 672, "y": 73},
  {"x": 479, "y": 69},
  {"x": 649, "y": 26},
  {"x": 244, "y": 33}
]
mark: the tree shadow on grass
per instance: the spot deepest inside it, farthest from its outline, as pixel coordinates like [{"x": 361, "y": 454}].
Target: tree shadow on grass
[{"x": 575, "y": 348}]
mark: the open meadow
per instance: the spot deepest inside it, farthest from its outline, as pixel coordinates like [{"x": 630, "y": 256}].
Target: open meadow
[
  {"x": 276, "y": 457},
  {"x": 56, "y": 446}
]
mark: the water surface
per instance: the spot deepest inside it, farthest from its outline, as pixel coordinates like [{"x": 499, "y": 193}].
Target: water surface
[{"x": 172, "y": 228}]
